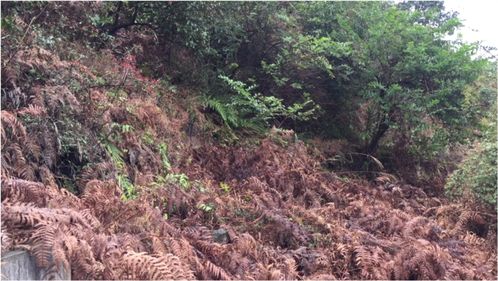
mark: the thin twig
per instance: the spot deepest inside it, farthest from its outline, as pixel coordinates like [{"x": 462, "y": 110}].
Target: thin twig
[{"x": 377, "y": 161}]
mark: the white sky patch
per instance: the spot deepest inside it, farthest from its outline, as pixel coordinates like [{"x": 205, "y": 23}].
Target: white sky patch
[{"x": 480, "y": 20}]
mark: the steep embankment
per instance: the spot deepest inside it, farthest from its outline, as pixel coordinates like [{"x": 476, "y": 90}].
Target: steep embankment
[{"x": 158, "y": 199}]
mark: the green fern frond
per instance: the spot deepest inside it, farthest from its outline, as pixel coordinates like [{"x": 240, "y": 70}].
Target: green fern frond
[
  {"x": 115, "y": 154},
  {"x": 253, "y": 125},
  {"x": 225, "y": 111},
  {"x": 124, "y": 182},
  {"x": 163, "y": 150}
]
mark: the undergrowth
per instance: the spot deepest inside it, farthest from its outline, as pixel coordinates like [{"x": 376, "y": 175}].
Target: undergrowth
[{"x": 157, "y": 197}]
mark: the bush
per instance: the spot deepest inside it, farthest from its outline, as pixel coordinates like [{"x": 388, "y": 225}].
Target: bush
[
  {"x": 477, "y": 174},
  {"x": 256, "y": 111}
]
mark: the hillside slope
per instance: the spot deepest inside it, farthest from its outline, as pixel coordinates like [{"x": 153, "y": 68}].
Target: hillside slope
[{"x": 152, "y": 195}]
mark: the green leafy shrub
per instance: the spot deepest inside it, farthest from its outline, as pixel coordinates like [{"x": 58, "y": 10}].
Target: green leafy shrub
[
  {"x": 477, "y": 174},
  {"x": 256, "y": 111}
]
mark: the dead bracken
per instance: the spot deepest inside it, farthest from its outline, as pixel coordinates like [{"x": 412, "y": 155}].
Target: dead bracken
[{"x": 121, "y": 176}]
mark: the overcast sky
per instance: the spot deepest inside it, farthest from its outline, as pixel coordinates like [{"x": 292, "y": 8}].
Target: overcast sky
[{"x": 480, "y": 18}]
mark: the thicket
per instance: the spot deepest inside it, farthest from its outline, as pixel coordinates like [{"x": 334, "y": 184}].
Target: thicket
[
  {"x": 476, "y": 175},
  {"x": 386, "y": 77}
]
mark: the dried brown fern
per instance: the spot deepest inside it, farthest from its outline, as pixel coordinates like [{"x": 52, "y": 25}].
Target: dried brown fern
[
  {"x": 286, "y": 217},
  {"x": 214, "y": 272},
  {"x": 140, "y": 266},
  {"x": 420, "y": 260},
  {"x": 16, "y": 128},
  {"x": 6, "y": 240}
]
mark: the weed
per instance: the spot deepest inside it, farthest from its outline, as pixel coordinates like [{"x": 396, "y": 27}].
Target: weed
[
  {"x": 206, "y": 207},
  {"x": 123, "y": 181},
  {"x": 163, "y": 151},
  {"x": 225, "y": 187}
]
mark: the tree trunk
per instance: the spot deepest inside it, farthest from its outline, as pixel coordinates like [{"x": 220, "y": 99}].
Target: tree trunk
[{"x": 373, "y": 145}]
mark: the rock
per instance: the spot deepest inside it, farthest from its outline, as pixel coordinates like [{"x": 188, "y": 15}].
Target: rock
[
  {"x": 20, "y": 265},
  {"x": 221, "y": 236}
]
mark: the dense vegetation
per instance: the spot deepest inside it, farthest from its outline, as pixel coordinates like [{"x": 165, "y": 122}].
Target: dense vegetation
[
  {"x": 319, "y": 140},
  {"x": 380, "y": 76}
]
